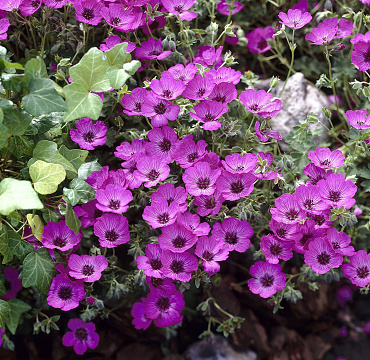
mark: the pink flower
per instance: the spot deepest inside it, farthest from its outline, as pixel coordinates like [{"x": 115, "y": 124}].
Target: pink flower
[
  {"x": 358, "y": 118},
  {"x": 85, "y": 267},
  {"x": 151, "y": 49},
  {"x": 358, "y": 271},
  {"x": 89, "y": 135},
  {"x": 295, "y": 18},
  {"x": 226, "y": 9},
  {"x": 257, "y": 39}
]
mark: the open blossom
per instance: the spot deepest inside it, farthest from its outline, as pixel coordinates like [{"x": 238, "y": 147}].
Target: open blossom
[
  {"x": 183, "y": 73},
  {"x": 188, "y": 152},
  {"x": 235, "y": 186},
  {"x": 361, "y": 49},
  {"x": 140, "y": 321},
  {"x": 358, "y": 118},
  {"x": 10, "y": 5},
  {"x": 134, "y": 101},
  {"x": 167, "y": 87},
  {"x": 151, "y": 49},
  {"x": 208, "y": 56},
  {"x": 176, "y": 238},
  {"x": 199, "y": 87},
  {"x": 113, "y": 199},
  {"x": 56, "y": 4},
  {"x": 358, "y": 271},
  {"x": 315, "y": 173},
  {"x": 160, "y": 213},
  {"x": 85, "y": 267},
  {"x": 288, "y": 209},
  {"x": 88, "y": 11},
  {"x": 151, "y": 170},
  {"x": 180, "y": 8},
  {"x": 178, "y": 266},
  {"x": 309, "y": 232},
  {"x": 126, "y": 150},
  {"x": 113, "y": 40},
  {"x": 269, "y": 279},
  {"x": 257, "y": 39},
  {"x": 171, "y": 194},
  {"x": 238, "y": 164},
  {"x": 118, "y": 17},
  {"x": 151, "y": 263},
  {"x": 295, "y": 18},
  {"x": 224, "y": 93},
  {"x": 264, "y": 133},
  {"x": 309, "y": 198},
  {"x": 81, "y": 337},
  {"x": 59, "y": 236},
  {"x": 326, "y": 159},
  {"x": 193, "y": 224},
  {"x": 285, "y": 232},
  {"x": 163, "y": 143},
  {"x": 29, "y": 7},
  {"x": 209, "y": 204},
  {"x": 89, "y": 135},
  {"x": 340, "y": 242},
  {"x": 224, "y": 74},
  {"x": 207, "y": 112},
  {"x": 275, "y": 249},
  {"x": 112, "y": 230},
  {"x": 323, "y": 33},
  {"x": 226, "y": 9}
]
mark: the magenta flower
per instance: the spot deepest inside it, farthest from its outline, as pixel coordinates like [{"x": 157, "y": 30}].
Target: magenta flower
[
  {"x": 309, "y": 198},
  {"x": 361, "y": 49},
  {"x": 321, "y": 257},
  {"x": 238, "y": 164},
  {"x": 134, "y": 101},
  {"x": 340, "y": 242},
  {"x": 358, "y": 271},
  {"x": 325, "y": 159},
  {"x": 81, "y": 337},
  {"x": 89, "y": 135},
  {"x": 301, "y": 5},
  {"x": 321, "y": 220},
  {"x": 14, "y": 284},
  {"x": 226, "y": 9},
  {"x": 209, "y": 204},
  {"x": 275, "y": 249},
  {"x": 126, "y": 150},
  {"x": 199, "y": 87},
  {"x": 288, "y": 209},
  {"x": 235, "y": 186},
  {"x": 118, "y": 17},
  {"x": 29, "y": 7},
  {"x": 59, "y": 236},
  {"x": 171, "y": 194},
  {"x": 151, "y": 170},
  {"x": 295, "y": 18},
  {"x": 180, "y": 8},
  {"x": 269, "y": 279},
  {"x": 207, "y": 112},
  {"x": 257, "y": 39},
  {"x": 192, "y": 223},
  {"x": 176, "y": 238},
  {"x": 160, "y": 285},
  {"x": 200, "y": 179},
  {"x": 167, "y": 87},
  {"x": 140, "y": 321},
  {"x": 233, "y": 234},
  {"x": 88, "y": 11},
  {"x": 285, "y": 232},
  {"x": 336, "y": 191},
  {"x": 357, "y": 212},
  {"x": 163, "y": 143},
  {"x": 112, "y": 230},
  {"x": 113, "y": 40},
  {"x": 87, "y": 268},
  {"x": 151, "y": 263},
  {"x": 56, "y": 4},
  {"x": 151, "y": 49},
  {"x": 224, "y": 74},
  {"x": 161, "y": 214},
  {"x": 224, "y": 93},
  {"x": 64, "y": 293},
  {"x": 159, "y": 22},
  {"x": 10, "y": 5},
  {"x": 260, "y": 102},
  {"x": 183, "y": 73},
  {"x": 309, "y": 232},
  {"x": 315, "y": 174},
  {"x": 208, "y": 56},
  {"x": 4, "y": 25},
  {"x": 164, "y": 308},
  {"x": 188, "y": 152},
  {"x": 211, "y": 251},
  {"x": 323, "y": 33},
  {"x": 113, "y": 199},
  {"x": 264, "y": 133},
  {"x": 159, "y": 110},
  {"x": 178, "y": 266},
  {"x": 358, "y": 118}
]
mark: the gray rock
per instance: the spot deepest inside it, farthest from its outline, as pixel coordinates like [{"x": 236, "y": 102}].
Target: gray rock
[{"x": 220, "y": 349}]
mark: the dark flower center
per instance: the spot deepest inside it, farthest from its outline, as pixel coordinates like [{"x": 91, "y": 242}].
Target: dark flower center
[
  {"x": 167, "y": 93},
  {"x": 308, "y": 204},
  {"x": 323, "y": 259},
  {"x": 153, "y": 175},
  {"x": 165, "y": 145},
  {"x": 35, "y": 3},
  {"x": 326, "y": 162},
  {"x": 116, "y": 21},
  {"x": 138, "y": 106},
  {"x": 160, "y": 108},
  {"x": 334, "y": 196},
  {"x": 281, "y": 232},
  {"x": 336, "y": 245},
  {"x": 88, "y": 14},
  {"x": 207, "y": 256},
  {"x": 208, "y": 117},
  {"x": 97, "y": 213},
  {"x": 154, "y": 52},
  {"x": 87, "y": 270},
  {"x": 163, "y": 303},
  {"x": 200, "y": 92},
  {"x": 65, "y": 293},
  {"x": 240, "y": 168},
  {"x": 111, "y": 235},
  {"x": 319, "y": 219},
  {"x": 367, "y": 56},
  {"x": 210, "y": 204},
  {"x": 203, "y": 183},
  {"x": 267, "y": 280},
  {"x": 114, "y": 204},
  {"x": 291, "y": 214},
  {"x": 179, "y": 242},
  {"x": 363, "y": 272},
  {"x": 254, "y": 107},
  {"x": 192, "y": 157},
  {"x": 262, "y": 44},
  {"x": 178, "y": 8},
  {"x": 231, "y": 238},
  {"x": 81, "y": 334},
  {"x": 220, "y": 98},
  {"x": 155, "y": 264},
  {"x": 177, "y": 267},
  {"x": 170, "y": 200},
  {"x": 276, "y": 249},
  {"x": 163, "y": 218},
  {"x": 60, "y": 242},
  {"x": 89, "y": 136},
  {"x": 156, "y": 282},
  {"x": 305, "y": 238},
  {"x": 237, "y": 187}
]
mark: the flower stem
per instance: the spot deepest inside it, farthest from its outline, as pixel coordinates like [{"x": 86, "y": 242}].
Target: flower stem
[{"x": 292, "y": 49}]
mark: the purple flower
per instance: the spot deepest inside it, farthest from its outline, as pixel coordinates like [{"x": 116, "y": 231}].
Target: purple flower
[
  {"x": 321, "y": 257},
  {"x": 358, "y": 271},
  {"x": 275, "y": 249},
  {"x": 151, "y": 49},
  {"x": 358, "y": 118},
  {"x": 257, "y": 39},
  {"x": 159, "y": 22},
  {"x": 285, "y": 232},
  {"x": 308, "y": 233},
  {"x": 29, "y": 7},
  {"x": 59, "y": 236},
  {"x": 171, "y": 194},
  {"x": 140, "y": 321},
  {"x": 176, "y": 238},
  {"x": 160, "y": 285},
  {"x": 89, "y": 135},
  {"x": 151, "y": 170},
  {"x": 340, "y": 242},
  {"x": 227, "y": 75},
  {"x": 56, "y": 4},
  {"x": 188, "y": 152},
  {"x": 357, "y": 212},
  {"x": 4, "y": 25},
  {"x": 211, "y": 251},
  {"x": 309, "y": 199},
  {"x": 269, "y": 279},
  {"x": 201, "y": 179},
  {"x": 85, "y": 267},
  {"x": 323, "y": 33},
  {"x": 224, "y": 93},
  {"x": 126, "y": 150},
  {"x": 295, "y": 19},
  {"x": 238, "y": 164},
  {"x": 192, "y": 223},
  {"x": 88, "y": 11},
  {"x": 159, "y": 110},
  {"x": 209, "y": 204},
  {"x": 10, "y": 5},
  {"x": 322, "y": 219},
  {"x": 345, "y": 28},
  {"x": 130, "y": 167},
  {"x": 184, "y": 74},
  {"x": 178, "y": 266},
  {"x": 233, "y": 234},
  {"x": 259, "y": 102},
  {"x": 98, "y": 179},
  {"x": 336, "y": 191},
  {"x": 161, "y": 214},
  {"x": 207, "y": 112},
  {"x": 180, "y": 8},
  {"x": 151, "y": 263},
  {"x": 263, "y": 133},
  {"x": 325, "y": 159},
  {"x": 315, "y": 174},
  {"x": 167, "y": 87},
  {"x": 113, "y": 199},
  {"x": 64, "y": 293},
  {"x": 118, "y": 17},
  {"x": 226, "y": 9},
  {"x": 14, "y": 284},
  {"x": 288, "y": 209},
  {"x": 164, "y": 308},
  {"x": 301, "y": 5},
  {"x": 361, "y": 49},
  {"x": 163, "y": 143},
  {"x": 208, "y": 56},
  {"x": 199, "y": 87},
  {"x": 112, "y": 230},
  {"x": 235, "y": 186},
  {"x": 113, "y": 40},
  {"x": 81, "y": 337},
  {"x": 134, "y": 101},
  {"x": 89, "y": 212}
]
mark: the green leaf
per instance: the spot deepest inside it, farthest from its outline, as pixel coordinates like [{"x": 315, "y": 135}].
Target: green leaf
[
  {"x": 2, "y": 285},
  {"x": 17, "y": 308},
  {"x": 81, "y": 103},
  {"x": 132, "y": 67},
  {"x": 79, "y": 191},
  {"x": 117, "y": 77},
  {"x": 10, "y": 65},
  {"x": 20, "y": 248},
  {"x": 46, "y": 176},
  {"x": 3, "y": 135},
  {"x": 17, "y": 121},
  {"x": 48, "y": 151},
  {"x": 91, "y": 71},
  {"x": 4, "y": 248},
  {"x": 365, "y": 172},
  {"x": 38, "y": 270},
  {"x": 18, "y": 195},
  {"x": 117, "y": 56},
  {"x": 86, "y": 169},
  {"x": 36, "y": 225},
  {"x": 76, "y": 156},
  {"x": 46, "y": 122},
  {"x": 19, "y": 145},
  {"x": 42, "y": 98},
  {"x": 4, "y": 312},
  {"x": 72, "y": 221},
  {"x": 34, "y": 69},
  {"x": 50, "y": 215}
]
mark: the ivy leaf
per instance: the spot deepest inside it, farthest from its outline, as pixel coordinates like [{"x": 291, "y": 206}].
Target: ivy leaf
[
  {"x": 34, "y": 69},
  {"x": 42, "y": 98},
  {"x": 117, "y": 77},
  {"x": 45, "y": 122},
  {"x": 79, "y": 191},
  {"x": 3, "y": 135},
  {"x": 38, "y": 270},
  {"x": 20, "y": 248},
  {"x": 36, "y": 225},
  {"x": 72, "y": 221},
  {"x": 4, "y": 248},
  {"x": 19, "y": 145},
  {"x": 16, "y": 121},
  {"x": 46, "y": 176},
  {"x": 2, "y": 286},
  {"x": 91, "y": 71},
  {"x": 75, "y": 156},
  {"x": 86, "y": 169},
  {"x": 117, "y": 55},
  {"x": 17, "y": 308},
  {"x": 4, "y": 312},
  {"x": 81, "y": 103},
  {"x": 18, "y": 195}
]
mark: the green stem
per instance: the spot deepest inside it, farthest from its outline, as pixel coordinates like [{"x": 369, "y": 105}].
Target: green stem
[
  {"x": 185, "y": 37},
  {"x": 331, "y": 78},
  {"x": 292, "y": 49}
]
